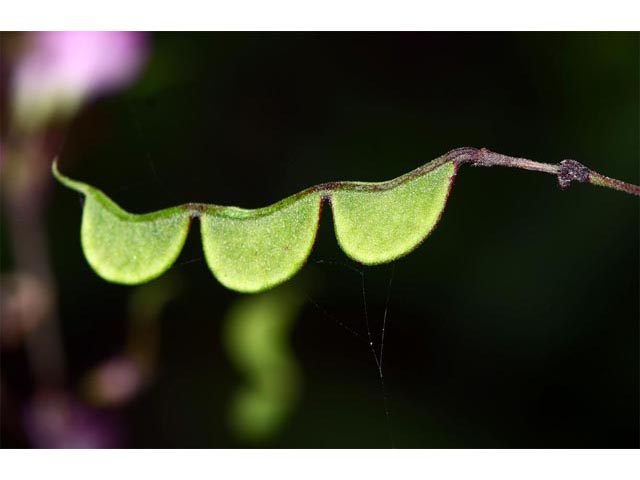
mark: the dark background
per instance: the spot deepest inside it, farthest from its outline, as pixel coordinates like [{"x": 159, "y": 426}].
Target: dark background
[{"x": 514, "y": 325}]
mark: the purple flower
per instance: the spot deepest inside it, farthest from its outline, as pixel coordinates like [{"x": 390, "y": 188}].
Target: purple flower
[
  {"x": 62, "y": 70},
  {"x": 56, "y": 419}
]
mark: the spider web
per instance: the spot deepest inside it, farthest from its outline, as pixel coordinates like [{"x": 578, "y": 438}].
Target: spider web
[{"x": 377, "y": 350}]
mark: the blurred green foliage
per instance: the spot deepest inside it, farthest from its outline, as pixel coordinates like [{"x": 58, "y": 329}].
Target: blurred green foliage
[{"x": 257, "y": 331}]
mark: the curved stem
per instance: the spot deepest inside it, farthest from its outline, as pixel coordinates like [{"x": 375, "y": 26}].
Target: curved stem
[{"x": 567, "y": 171}]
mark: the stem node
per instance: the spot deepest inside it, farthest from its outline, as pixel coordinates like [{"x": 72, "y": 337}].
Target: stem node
[
  {"x": 567, "y": 171},
  {"x": 572, "y": 171}
]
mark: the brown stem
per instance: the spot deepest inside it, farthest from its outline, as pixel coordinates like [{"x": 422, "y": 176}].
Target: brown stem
[
  {"x": 597, "y": 179},
  {"x": 567, "y": 171},
  {"x": 26, "y": 185}
]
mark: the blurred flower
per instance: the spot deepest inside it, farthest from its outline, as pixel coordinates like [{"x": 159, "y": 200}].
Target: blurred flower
[
  {"x": 53, "y": 74},
  {"x": 115, "y": 382},
  {"x": 62, "y": 70},
  {"x": 24, "y": 304},
  {"x": 55, "y": 419},
  {"x": 123, "y": 376}
]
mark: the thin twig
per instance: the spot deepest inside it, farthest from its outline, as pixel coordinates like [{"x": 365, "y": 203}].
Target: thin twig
[{"x": 567, "y": 171}]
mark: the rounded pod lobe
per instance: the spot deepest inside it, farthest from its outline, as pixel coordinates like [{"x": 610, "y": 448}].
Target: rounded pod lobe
[
  {"x": 253, "y": 250},
  {"x": 123, "y": 247},
  {"x": 131, "y": 249},
  {"x": 390, "y": 219}
]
